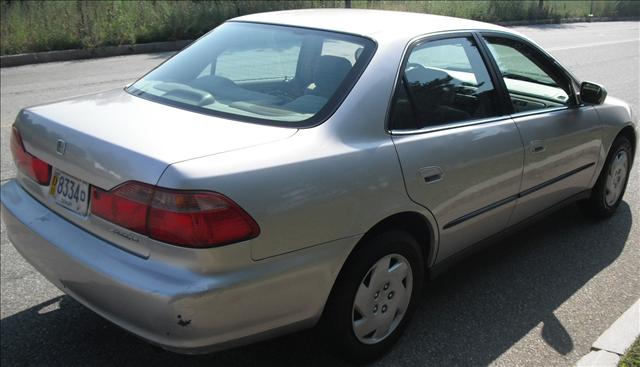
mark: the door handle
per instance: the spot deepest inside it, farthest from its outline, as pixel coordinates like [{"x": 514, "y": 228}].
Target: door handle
[
  {"x": 537, "y": 146},
  {"x": 431, "y": 174}
]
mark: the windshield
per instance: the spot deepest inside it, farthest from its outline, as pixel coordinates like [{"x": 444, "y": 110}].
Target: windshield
[{"x": 260, "y": 73}]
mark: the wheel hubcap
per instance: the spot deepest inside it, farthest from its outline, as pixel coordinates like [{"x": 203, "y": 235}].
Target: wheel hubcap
[
  {"x": 616, "y": 178},
  {"x": 382, "y": 299}
]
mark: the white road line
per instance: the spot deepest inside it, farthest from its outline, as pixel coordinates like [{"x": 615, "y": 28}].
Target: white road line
[{"x": 593, "y": 44}]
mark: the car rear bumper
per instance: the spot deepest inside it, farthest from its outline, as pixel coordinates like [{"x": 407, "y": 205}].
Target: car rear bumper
[{"x": 173, "y": 307}]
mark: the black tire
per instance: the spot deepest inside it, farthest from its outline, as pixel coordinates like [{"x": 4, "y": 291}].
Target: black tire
[
  {"x": 596, "y": 206},
  {"x": 339, "y": 311}
]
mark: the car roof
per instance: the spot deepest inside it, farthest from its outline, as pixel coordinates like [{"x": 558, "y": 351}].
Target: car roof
[{"x": 370, "y": 23}]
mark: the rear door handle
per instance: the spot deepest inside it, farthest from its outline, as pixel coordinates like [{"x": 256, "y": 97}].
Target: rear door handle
[
  {"x": 537, "y": 146},
  {"x": 431, "y": 174}
]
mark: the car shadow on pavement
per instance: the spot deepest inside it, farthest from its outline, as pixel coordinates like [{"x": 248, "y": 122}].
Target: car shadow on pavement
[{"x": 469, "y": 316}]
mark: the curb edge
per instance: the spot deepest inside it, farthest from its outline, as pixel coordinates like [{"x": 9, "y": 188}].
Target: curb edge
[
  {"x": 77, "y": 54},
  {"x": 611, "y": 345}
]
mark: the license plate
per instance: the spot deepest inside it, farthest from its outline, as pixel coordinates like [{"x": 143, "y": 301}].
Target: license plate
[{"x": 70, "y": 192}]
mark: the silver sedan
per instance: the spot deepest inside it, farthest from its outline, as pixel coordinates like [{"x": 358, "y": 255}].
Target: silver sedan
[{"x": 306, "y": 167}]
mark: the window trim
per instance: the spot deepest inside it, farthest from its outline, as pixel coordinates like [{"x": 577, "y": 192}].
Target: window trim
[
  {"x": 417, "y": 41},
  {"x": 503, "y": 92},
  {"x": 452, "y": 125},
  {"x": 540, "y": 112}
]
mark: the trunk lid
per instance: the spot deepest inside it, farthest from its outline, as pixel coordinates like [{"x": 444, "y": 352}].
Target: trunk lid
[{"x": 113, "y": 137}]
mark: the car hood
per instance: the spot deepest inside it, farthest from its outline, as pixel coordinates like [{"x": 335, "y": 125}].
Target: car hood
[{"x": 113, "y": 137}]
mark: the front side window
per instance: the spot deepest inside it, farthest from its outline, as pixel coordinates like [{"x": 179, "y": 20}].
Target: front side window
[
  {"x": 444, "y": 81},
  {"x": 260, "y": 73},
  {"x": 532, "y": 83}
]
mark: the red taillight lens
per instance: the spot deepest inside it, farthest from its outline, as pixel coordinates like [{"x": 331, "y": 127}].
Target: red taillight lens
[
  {"x": 126, "y": 205},
  {"x": 185, "y": 218},
  {"x": 33, "y": 167},
  {"x": 198, "y": 219}
]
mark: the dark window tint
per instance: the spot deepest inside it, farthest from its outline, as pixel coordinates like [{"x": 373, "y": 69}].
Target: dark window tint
[
  {"x": 402, "y": 115},
  {"x": 446, "y": 82},
  {"x": 532, "y": 82}
]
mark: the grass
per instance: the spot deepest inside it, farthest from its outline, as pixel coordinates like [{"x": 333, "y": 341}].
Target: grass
[
  {"x": 632, "y": 357},
  {"x": 31, "y": 26}
]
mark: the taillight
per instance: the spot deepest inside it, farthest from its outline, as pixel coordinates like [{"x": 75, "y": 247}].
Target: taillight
[
  {"x": 198, "y": 219},
  {"x": 185, "y": 218},
  {"x": 126, "y": 205},
  {"x": 33, "y": 167}
]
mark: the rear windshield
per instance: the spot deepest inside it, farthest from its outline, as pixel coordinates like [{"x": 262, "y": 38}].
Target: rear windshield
[{"x": 261, "y": 73}]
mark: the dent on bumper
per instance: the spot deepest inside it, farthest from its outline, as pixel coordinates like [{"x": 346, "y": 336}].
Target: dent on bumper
[{"x": 176, "y": 308}]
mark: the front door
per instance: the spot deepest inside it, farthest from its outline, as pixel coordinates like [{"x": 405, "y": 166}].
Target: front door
[{"x": 560, "y": 137}]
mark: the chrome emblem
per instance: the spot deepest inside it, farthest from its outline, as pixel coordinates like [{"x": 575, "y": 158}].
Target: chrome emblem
[{"x": 61, "y": 147}]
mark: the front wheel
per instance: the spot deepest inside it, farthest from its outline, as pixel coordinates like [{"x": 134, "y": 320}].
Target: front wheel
[
  {"x": 612, "y": 182},
  {"x": 375, "y": 296}
]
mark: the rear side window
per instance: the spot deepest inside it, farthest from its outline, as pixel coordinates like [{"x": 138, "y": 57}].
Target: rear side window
[
  {"x": 533, "y": 83},
  {"x": 444, "y": 81}
]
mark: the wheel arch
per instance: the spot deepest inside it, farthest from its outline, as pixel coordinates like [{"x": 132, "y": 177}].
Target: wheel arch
[
  {"x": 610, "y": 134},
  {"x": 630, "y": 133},
  {"x": 414, "y": 223}
]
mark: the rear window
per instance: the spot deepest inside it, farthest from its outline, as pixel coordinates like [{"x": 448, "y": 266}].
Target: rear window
[{"x": 260, "y": 73}]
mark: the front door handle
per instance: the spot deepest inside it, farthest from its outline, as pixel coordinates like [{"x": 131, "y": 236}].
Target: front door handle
[
  {"x": 431, "y": 174},
  {"x": 537, "y": 146}
]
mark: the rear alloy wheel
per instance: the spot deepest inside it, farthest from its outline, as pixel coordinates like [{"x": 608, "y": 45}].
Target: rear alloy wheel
[
  {"x": 374, "y": 296},
  {"x": 612, "y": 182}
]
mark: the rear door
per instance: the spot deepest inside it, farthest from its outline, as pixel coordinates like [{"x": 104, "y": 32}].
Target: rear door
[
  {"x": 460, "y": 152},
  {"x": 561, "y": 138}
]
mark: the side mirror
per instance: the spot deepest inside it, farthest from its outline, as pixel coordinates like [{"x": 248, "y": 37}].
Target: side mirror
[{"x": 592, "y": 93}]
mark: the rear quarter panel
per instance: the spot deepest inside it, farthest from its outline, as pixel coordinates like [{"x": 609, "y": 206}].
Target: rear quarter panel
[{"x": 307, "y": 190}]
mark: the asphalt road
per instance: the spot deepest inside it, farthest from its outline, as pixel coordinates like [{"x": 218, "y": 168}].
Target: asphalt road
[{"x": 538, "y": 298}]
